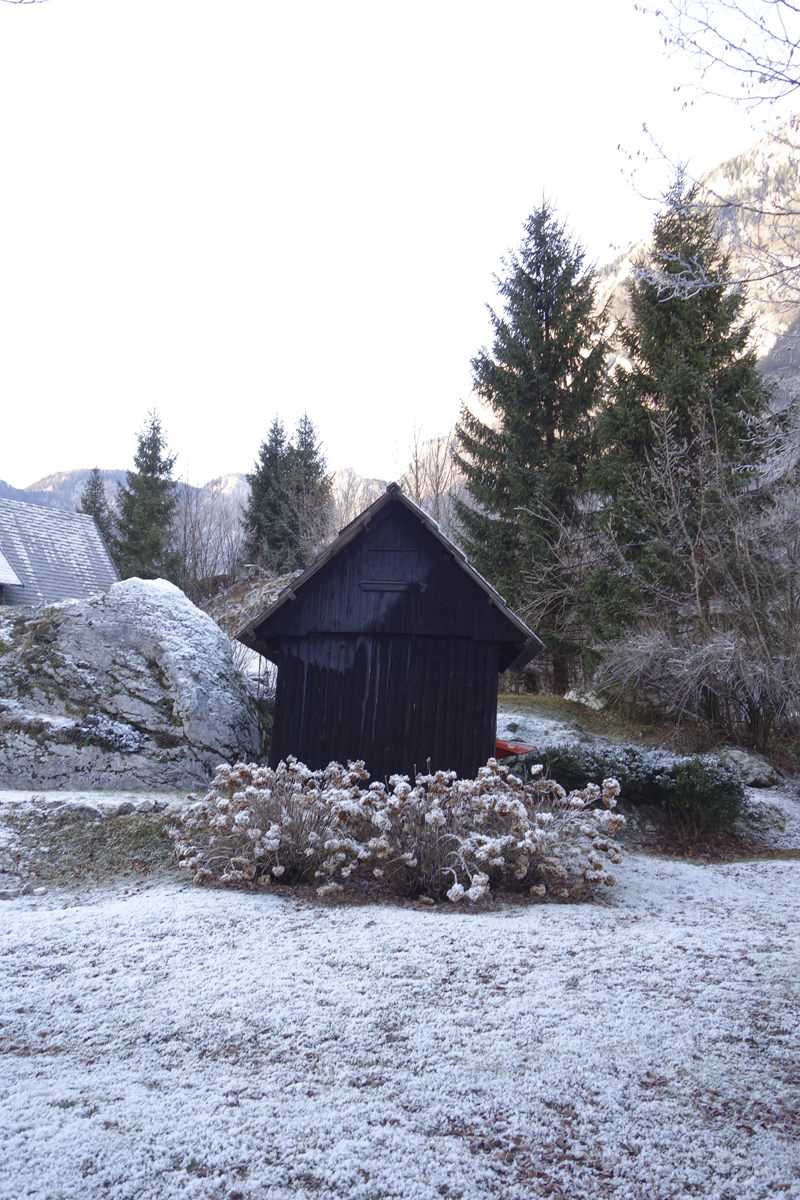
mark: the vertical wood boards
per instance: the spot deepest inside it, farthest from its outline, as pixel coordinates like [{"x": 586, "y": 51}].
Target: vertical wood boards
[
  {"x": 392, "y": 701},
  {"x": 389, "y": 651}
]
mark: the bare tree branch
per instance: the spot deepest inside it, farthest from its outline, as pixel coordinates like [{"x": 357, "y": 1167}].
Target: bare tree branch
[
  {"x": 747, "y": 51},
  {"x": 433, "y": 478},
  {"x": 720, "y": 641},
  {"x": 351, "y": 495},
  {"x": 754, "y": 43},
  {"x": 207, "y": 532}
]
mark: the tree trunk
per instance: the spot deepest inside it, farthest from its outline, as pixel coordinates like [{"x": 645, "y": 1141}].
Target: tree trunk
[{"x": 560, "y": 673}]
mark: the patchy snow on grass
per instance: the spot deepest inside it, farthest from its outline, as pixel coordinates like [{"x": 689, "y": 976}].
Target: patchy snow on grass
[
  {"x": 106, "y": 803},
  {"x": 168, "y": 1041},
  {"x": 522, "y": 724}
]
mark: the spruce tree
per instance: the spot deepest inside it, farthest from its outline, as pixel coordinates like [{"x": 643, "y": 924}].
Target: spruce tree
[
  {"x": 264, "y": 519},
  {"x": 687, "y": 355},
  {"x": 310, "y": 499},
  {"x": 146, "y": 505},
  {"x": 94, "y": 502},
  {"x": 525, "y": 469},
  {"x": 288, "y": 510},
  {"x": 679, "y": 427}
]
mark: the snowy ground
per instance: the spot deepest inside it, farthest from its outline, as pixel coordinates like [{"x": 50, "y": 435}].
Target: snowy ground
[
  {"x": 518, "y": 722},
  {"x": 171, "y": 1042},
  {"x": 106, "y": 804}
]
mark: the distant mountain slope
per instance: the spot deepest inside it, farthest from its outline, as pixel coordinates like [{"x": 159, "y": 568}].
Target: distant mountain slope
[
  {"x": 756, "y": 197},
  {"x": 64, "y": 488},
  {"x": 233, "y": 484},
  {"x": 7, "y": 492},
  {"x": 759, "y": 218},
  {"x": 351, "y": 492}
]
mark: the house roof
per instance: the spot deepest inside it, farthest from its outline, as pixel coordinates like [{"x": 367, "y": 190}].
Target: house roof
[
  {"x": 52, "y": 555},
  {"x": 7, "y": 573},
  {"x": 530, "y": 644}
]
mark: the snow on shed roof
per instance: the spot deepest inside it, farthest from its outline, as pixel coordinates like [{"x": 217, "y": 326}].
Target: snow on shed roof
[{"x": 54, "y": 555}]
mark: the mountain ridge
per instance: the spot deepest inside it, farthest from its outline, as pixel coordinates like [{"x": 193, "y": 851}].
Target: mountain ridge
[{"x": 758, "y": 189}]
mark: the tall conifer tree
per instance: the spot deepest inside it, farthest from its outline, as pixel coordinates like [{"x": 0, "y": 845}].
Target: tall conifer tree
[
  {"x": 146, "y": 504},
  {"x": 677, "y": 430},
  {"x": 525, "y": 467},
  {"x": 288, "y": 510},
  {"x": 264, "y": 518},
  {"x": 94, "y": 502},
  {"x": 687, "y": 355}
]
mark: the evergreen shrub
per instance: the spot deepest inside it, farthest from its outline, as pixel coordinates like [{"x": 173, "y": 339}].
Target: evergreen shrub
[{"x": 698, "y": 792}]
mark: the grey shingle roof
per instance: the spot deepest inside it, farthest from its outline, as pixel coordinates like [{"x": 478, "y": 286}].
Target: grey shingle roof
[{"x": 55, "y": 555}]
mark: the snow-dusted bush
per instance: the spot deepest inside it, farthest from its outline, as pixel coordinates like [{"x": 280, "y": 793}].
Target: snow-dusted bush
[
  {"x": 699, "y": 792},
  {"x": 743, "y": 683},
  {"x": 441, "y": 836}
]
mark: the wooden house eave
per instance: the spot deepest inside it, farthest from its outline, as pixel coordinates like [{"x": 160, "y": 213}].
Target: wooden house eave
[{"x": 518, "y": 648}]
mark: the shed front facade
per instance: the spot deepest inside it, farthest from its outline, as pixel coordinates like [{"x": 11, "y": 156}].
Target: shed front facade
[{"x": 388, "y": 649}]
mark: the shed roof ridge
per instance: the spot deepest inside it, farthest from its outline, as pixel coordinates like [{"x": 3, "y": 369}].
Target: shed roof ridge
[{"x": 348, "y": 534}]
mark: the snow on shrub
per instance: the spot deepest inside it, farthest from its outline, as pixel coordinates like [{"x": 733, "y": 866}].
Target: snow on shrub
[
  {"x": 441, "y": 836},
  {"x": 699, "y": 793}
]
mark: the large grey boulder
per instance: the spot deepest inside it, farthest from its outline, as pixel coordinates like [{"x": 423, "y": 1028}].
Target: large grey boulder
[{"x": 134, "y": 688}]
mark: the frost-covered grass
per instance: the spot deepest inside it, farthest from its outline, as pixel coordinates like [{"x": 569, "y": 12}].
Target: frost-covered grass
[
  {"x": 65, "y": 838},
  {"x": 544, "y": 719},
  {"x": 179, "y": 1042}
]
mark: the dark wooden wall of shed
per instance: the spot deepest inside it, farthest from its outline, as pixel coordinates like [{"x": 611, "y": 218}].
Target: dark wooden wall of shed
[
  {"x": 396, "y": 579},
  {"x": 393, "y": 701},
  {"x": 389, "y": 653}
]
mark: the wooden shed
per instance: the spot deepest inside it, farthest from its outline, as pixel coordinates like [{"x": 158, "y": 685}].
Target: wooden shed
[{"x": 388, "y": 649}]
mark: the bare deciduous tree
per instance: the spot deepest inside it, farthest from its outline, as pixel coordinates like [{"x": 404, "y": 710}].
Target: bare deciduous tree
[
  {"x": 352, "y": 493},
  {"x": 311, "y": 516},
  {"x": 432, "y": 478},
  {"x": 207, "y": 531},
  {"x": 746, "y": 50},
  {"x": 749, "y": 52},
  {"x": 719, "y": 628}
]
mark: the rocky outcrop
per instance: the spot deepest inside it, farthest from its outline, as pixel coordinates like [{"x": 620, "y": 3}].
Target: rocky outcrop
[
  {"x": 134, "y": 688},
  {"x": 755, "y": 771}
]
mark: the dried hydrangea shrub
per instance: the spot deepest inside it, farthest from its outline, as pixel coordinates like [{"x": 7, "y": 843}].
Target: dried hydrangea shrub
[
  {"x": 254, "y": 825},
  {"x": 441, "y": 836}
]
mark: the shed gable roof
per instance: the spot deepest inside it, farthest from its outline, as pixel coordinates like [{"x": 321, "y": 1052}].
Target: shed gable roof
[
  {"x": 392, "y": 570},
  {"x": 54, "y": 555}
]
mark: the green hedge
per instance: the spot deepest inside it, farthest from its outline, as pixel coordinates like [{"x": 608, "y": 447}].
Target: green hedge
[{"x": 697, "y": 790}]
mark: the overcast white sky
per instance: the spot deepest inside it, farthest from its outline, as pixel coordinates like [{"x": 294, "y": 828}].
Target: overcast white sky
[{"x": 228, "y": 210}]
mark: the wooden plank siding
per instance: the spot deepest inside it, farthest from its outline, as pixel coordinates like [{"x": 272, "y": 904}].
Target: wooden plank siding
[
  {"x": 392, "y": 701},
  {"x": 423, "y": 591},
  {"x": 388, "y": 650}
]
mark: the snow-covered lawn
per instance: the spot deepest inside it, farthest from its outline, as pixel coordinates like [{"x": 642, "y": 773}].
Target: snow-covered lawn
[{"x": 175, "y": 1042}]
